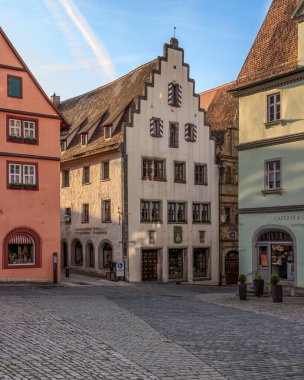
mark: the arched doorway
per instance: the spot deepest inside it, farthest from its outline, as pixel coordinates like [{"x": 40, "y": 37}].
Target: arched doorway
[
  {"x": 90, "y": 257},
  {"x": 232, "y": 267},
  {"x": 64, "y": 254},
  {"x": 275, "y": 254},
  {"x": 77, "y": 253},
  {"x": 105, "y": 256}
]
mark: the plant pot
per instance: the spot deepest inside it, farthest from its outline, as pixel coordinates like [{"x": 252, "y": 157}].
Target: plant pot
[
  {"x": 243, "y": 292},
  {"x": 258, "y": 287},
  {"x": 277, "y": 293}
]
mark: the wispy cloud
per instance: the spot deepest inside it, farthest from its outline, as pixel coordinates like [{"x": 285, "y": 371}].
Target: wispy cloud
[{"x": 98, "y": 49}]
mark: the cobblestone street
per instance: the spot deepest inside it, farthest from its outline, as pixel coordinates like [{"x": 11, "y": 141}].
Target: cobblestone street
[{"x": 94, "y": 329}]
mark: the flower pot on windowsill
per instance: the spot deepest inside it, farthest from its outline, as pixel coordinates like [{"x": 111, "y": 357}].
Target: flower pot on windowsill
[
  {"x": 15, "y": 185},
  {"x": 29, "y": 140},
  {"x": 258, "y": 285}
]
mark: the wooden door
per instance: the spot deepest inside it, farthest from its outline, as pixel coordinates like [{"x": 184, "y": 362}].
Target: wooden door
[
  {"x": 149, "y": 265},
  {"x": 232, "y": 268}
]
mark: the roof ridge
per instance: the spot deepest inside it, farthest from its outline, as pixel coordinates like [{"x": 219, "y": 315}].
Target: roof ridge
[{"x": 217, "y": 88}]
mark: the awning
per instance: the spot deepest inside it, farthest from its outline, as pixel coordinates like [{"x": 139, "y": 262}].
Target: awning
[{"x": 20, "y": 239}]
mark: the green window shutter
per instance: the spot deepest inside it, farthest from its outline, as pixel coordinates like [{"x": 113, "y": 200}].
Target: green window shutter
[{"x": 14, "y": 87}]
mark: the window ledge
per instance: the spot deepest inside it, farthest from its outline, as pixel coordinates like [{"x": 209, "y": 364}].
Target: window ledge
[
  {"x": 154, "y": 179},
  {"x": 201, "y": 222},
  {"x": 203, "y": 278},
  {"x": 274, "y": 191},
  {"x": 269, "y": 124},
  {"x": 179, "y": 222},
  {"x": 179, "y": 181},
  {"x": 86, "y": 183},
  {"x": 201, "y": 183},
  {"x": 105, "y": 180}
]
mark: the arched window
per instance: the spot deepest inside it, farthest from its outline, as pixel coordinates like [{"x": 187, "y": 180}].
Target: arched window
[
  {"x": 107, "y": 255},
  {"x": 77, "y": 253},
  {"x": 22, "y": 249}
]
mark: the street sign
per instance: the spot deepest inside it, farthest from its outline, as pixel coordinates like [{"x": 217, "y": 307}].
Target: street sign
[{"x": 120, "y": 269}]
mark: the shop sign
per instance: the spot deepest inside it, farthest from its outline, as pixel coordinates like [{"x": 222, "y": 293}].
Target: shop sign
[
  {"x": 89, "y": 230},
  {"x": 296, "y": 220}
]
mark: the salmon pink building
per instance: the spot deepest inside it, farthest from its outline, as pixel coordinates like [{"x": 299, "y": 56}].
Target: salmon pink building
[{"x": 29, "y": 172}]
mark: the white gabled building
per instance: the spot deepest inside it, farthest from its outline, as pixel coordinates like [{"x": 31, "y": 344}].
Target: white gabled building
[{"x": 143, "y": 182}]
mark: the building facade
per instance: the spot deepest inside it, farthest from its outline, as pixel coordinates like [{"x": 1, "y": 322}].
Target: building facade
[
  {"x": 270, "y": 89},
  {"x": 29, "y": 168},
  {"x": 152, "y": 198},
  {"x": 222, "y": 117}
]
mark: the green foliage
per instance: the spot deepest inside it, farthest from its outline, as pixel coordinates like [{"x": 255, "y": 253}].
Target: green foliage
[
  {"x": 274, "y": 279},
  {"x": 242, "y": 278},
  {"x": 258, "y": 277}
]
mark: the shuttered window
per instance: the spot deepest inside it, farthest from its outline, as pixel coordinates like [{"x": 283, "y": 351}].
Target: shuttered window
[
  {"x": 14, "y": 86},
  {"x": 174, "y": 94},
  {"x": 156, "y": 127},
  {"x": 190, "y": 132}
]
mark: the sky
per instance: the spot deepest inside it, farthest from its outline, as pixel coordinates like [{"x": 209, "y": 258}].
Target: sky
[{"x": 74, "y": 46}]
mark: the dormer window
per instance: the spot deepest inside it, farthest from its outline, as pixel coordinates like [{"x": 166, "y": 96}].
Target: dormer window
[
  {"x": 107, "y": 132},
  {"x": 175, "y": 94},
  {"x": 63, "y": 146},
  {"x": 84, "y": 139}
]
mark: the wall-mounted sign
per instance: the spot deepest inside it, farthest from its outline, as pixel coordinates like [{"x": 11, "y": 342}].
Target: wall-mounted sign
[{"x": 89, "y": 230}]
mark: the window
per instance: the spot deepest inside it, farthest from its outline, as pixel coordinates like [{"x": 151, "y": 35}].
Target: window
[
  {"x": 65, "y": 178},
  {"x": 179, "y": 172},
  {"x": 174, "y": 95},
  {"x": 200, "y": 262},
  {"x": 22, "y": 130},
  {"x": 200, "y": 174},
  {"x": 173, "y": 135},
  {"x": 22, "y": 176},
  {"x": 201, "y": 212},
  {"x": 107, "y": 132},
  {"x": 106, "y": 211},
  {"x": 14, "y": 86},
  {"x": 273, "y": 175},
  {"x": 190, "y": 132},
  {"x": 107, "y": 255},
  {"x": 22, "y": 248},
  {"x": 176, "y": 263},
  {"x": 177, "y": 212},
  {"x": 84, "y": 139},
  {"x": 156, "y": 127},
  {"x": 85, "y": 213},
  {"x": 63, "y": 145},
  {"x": 273, "y": 107},
  {"x": 86, "y": 175},
  {"x": 105, "y": 170},
  {"x": 153, "y": 169},
  {"x": 150, "y": 211},
  {"x": 67, "y": 216}
]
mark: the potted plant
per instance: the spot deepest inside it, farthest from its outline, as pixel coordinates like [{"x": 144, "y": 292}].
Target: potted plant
[
  {"x": 258, "y": 284},
  {"x": 242, "y": 287},
  {"x": 276, "y": 288}
]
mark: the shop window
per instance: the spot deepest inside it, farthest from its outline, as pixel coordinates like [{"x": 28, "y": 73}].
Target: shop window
[
  {"x": 176, "y": 265},
  {"x": 173, "y": 135},
  {"x": 200, "y": 262},
  {"x": 22, "y": 176},
  {"x": 22, "y": 249},
  {"x": 156, "y": 127},
  {"x": 150, "y": 211},
  {"x": 153, "y": 169},
  {"x": 180, "y": 172},
  {"x": 200, "y": 174},
  {"x": 14, "y": 85}
]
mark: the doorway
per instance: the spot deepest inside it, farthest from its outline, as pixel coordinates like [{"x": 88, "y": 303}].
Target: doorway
[
  {"x": 149, "y": 265},
  {"x": 232, "y": 267},
  {"x": 64, "y": 255}
]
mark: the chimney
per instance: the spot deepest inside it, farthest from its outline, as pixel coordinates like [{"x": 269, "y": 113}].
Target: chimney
[{"x": 55, "y": 100}]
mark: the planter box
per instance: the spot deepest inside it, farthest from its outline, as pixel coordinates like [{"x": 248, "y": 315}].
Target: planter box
[
  {"x": 277, "y": 293},
  {"x": 243, "y": 292},
  {"x": 15, "y": 186},
  {"x": 30, "y": 141},
  {"x": 258, "y": 287},
  {"x": 15, "y": 138}
]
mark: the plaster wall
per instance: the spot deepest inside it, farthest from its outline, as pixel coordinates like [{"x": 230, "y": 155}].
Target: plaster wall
[{"x": 140, "y": 144}]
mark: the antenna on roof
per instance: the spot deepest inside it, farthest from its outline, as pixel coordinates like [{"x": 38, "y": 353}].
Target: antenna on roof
[{"x": 174, "y": 31}]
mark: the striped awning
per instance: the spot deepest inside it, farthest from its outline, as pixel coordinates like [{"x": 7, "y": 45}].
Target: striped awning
[{"x": 20, "y": 239}]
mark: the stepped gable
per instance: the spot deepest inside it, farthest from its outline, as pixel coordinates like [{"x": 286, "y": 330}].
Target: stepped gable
[
  {"x": 275, "y": 49},
  {"x": 221, "y": 107},
  {"x": 103, "y": 106}
]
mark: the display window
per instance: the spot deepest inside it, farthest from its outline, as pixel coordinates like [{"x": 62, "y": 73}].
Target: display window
[
  {"x": 176, "y": 267},
  {"x": 200, "y": 262}
]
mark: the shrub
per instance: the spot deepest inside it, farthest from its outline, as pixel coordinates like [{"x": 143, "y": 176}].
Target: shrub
[
  {"x": 274, "y": 279},
  {"x": 242, "y": 278},
  {"x": 258, "y": 277}
]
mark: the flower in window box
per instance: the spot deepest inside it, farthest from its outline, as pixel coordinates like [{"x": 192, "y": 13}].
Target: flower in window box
[
  {"x": 30, "y": 140},
  {"x": 15, "y": 185},
  {"x": 15, "y": 138},
  {"x": 30, "y": 186}
]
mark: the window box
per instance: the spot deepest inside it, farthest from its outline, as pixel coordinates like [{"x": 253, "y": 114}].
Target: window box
[
  {"x": 15, "y": 185},
  {"x": 29, "y": 140},
  {"x": 15, "y": 138},
  {"x": 30, "y": 186},
  {"x": 274, "y": 191}
]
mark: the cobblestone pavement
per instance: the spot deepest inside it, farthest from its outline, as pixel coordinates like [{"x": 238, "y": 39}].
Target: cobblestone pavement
[{"x": 169, "y": 331}]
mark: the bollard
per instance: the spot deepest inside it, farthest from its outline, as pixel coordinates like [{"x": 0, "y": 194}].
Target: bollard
[{"x": 67, "y": 272}]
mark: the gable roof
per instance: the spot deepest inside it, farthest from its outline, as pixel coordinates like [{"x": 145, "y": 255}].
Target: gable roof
[
  {"x": 103, "y": 106},
  {"x": 32, "y": 77},
  {"x": 275, "y": 49},
  {"x": 222, "y": 107}
]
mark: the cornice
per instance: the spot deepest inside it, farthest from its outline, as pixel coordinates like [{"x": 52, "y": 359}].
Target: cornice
[
  {"x": 268, "y": 142},
  {"x": 271, "y": 210}
]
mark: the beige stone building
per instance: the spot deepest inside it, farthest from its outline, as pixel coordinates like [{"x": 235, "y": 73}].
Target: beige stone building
[
  {"x": 222, "y": 116},
  {"x": 139, "y": 177}
]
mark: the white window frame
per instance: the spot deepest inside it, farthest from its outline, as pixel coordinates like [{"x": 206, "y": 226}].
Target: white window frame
[
  {"x": 274, "y": 107},
  {"x": 273, "y": 175},
  {"x": 30, "y": 128},
  {"x": 28, "y": 177},
  {"x": 15, "y": 175},
  {"x": 15, "y": 127}
]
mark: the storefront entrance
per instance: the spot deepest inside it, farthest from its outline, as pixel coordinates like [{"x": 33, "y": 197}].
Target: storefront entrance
[
  {"x": 149, "y": 265},
  {"x": 232, "y": 267},
  {"x": 275, "y": 254},
  {"x": 176, "y": 264}
]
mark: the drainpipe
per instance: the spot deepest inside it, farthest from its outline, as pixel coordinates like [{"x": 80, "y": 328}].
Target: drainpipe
[{"x": 221, "y": 168}]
